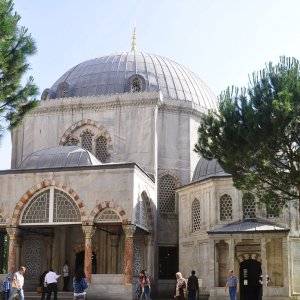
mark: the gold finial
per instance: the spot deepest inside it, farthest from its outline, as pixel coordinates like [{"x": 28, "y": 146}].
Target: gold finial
[{"x": 133, "y": 44}]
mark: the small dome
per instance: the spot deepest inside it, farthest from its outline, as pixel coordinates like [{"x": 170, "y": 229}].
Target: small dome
[
  {"x": 59, "y": 157},
  {"x": 117, "y": 73},
  {"x": 208, "y": 168}
]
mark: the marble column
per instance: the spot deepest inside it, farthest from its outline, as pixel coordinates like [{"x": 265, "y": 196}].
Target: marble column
[
  {"x": 88, "y": 231},
  {"x": 1, "y": 251},
  {"x": 129, "y": 231},
  {"x": 12, "y": 248},
  {"x": 264, "y": 265},
  {"x": 114, "y": 257}
]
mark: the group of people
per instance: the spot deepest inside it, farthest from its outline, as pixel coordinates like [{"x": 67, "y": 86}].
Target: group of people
[
  {"x": 13, "y": 286},
  {"x": 183, "y": 286}
]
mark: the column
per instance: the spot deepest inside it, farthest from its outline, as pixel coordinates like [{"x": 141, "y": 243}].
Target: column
[
  {"x": 129, "y": 231},
  {"x": 1, "y": 251},
  {"x": 88, "y": 231},
  {"x": 12, "y": 248},
  {"x": 264, "y": 265},
  {"x": 114, "y": 257},
  {"x": 231, "y": 254}
]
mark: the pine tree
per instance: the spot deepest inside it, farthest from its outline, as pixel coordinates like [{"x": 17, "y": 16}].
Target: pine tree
[
  {"x": 255, "y": 134},
  {"x": 16, "y": 45}
]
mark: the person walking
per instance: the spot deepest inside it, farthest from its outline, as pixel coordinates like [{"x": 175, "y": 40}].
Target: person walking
[
  {"x": 145, "y": 285},
  {"x": 192, "y": 286},
  {"x": 51, "y": 282},
  {"x": 17, "y": 284},
  {"x": 66, "y": 275},
  {"x": 232, "y": 285},
  {"x": 6, "y": 287},
  {"x": 80, "y": 285},
  {"x": 180, "y": 287}
]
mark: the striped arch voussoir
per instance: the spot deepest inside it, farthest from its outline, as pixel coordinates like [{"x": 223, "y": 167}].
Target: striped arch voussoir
[
  {"x": 36, "y": 188},
  {"x": 102, "y": 131},
  {"x": 107, "y": 204},
  {"x": 168, "y": 173}
]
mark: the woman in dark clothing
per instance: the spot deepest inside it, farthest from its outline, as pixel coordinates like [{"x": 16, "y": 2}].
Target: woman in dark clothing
[{"x": 79, "y": 285}]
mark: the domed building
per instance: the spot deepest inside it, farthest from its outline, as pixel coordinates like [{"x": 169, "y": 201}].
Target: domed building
[
  {"x": 94, "y": 172},
  {"x": 222, "y": 231}
]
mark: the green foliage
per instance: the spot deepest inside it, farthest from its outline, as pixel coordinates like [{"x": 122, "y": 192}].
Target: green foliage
[
  {"x": 15, "y": 46},
  {"x": 255, "y": 134}
]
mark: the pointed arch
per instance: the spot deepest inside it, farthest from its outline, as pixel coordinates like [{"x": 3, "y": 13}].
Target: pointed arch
[
  {"x": 101, "y": 131},
  {"x": 150, "y": 215},
  {"x": 37, "y": 188},
  {"x": 167, "y": 201}
]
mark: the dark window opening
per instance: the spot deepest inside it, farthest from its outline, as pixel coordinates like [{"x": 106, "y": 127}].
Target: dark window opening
[
  {"x": 3, "y": 252},
  {"x": 168, "y": 262}
]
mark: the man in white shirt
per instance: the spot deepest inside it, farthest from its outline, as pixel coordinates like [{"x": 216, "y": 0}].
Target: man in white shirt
[
  {"x": 66, "y": 275},
  {"x": 51, "y": 281},
  {"x": 17, "y": 284}
]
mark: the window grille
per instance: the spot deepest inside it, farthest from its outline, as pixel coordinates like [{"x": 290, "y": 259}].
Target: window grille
[
  {"x": 141, "y": 214},
  {"x": 167, "y": 187},
  {"x": 196, "y": 215},
  {"x": 136, "y": 86},
  {"x": 273, "y": 210},
  {"x": 65, "y": 210},
  {"x": 108, "y": 215},
  {"x": 71, "y": 141},
  {"x": 63, "y": 91},
  {"x": 87, "y": 140},
  {"x": 101, "y": 149},
  {"x": 137, "y": 257},
  {"x": 225, "y": 208},
  {"x": 249, "y": 209},
  {"x": 2, "y": 221},
  {"x": 38, "y": 209},
  {"x": 49, "y": 207}
]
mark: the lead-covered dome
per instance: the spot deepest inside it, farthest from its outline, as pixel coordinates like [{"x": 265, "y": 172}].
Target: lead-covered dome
[
  {"x": 122, "y": 72},
  {"x": 207, "y": 169},
  {"x": 59, "y": 157}
]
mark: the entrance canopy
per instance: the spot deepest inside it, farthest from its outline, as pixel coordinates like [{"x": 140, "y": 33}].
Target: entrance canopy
[{"x": 249, "y": 226}]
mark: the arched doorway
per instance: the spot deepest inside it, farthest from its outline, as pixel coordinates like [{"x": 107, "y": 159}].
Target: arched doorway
[
  {"x": 250, "y": 270},
  {"x": 79, "y": 262}
]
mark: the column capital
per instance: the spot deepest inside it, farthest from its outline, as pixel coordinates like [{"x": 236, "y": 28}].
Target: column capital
[
  {"x": 13, "y": 232},
  {"x": 88, "y": 231},
  {"x": 129, "y": 230},
  {"x": 149, "y": 239}
]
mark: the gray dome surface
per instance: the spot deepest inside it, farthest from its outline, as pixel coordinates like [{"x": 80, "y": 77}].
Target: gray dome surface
[
  {"x": 59, "y": 157},
  {"x": 207, "y": 169},
  {"x": 110, "y": 74}
]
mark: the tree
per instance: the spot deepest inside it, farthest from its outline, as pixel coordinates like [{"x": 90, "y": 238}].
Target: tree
[
  {"x": 255, "y": 134},
  {"x": 16, "y": 45}
]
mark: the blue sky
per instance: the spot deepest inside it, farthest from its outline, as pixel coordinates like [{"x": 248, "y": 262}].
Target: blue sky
[{"x": 221, "y": 40}]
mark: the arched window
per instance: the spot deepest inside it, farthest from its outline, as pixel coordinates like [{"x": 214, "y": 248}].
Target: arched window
[
  {"x": 273, "y": 210},
  {"x": 249, "y": 209},
  {"x": 108, "y": 215},
  {"x": 196, "y": 215},
  {"x": 141, "y": 218},
  {"x": 167, "y": 187},
  {"x": 51, "y": 206},
  {"x": 136, "y": 85},
  {"x": 87, "y": 140},
  {"x": 225, "y": 208},
  {"x": 71, "y": 141},
  {"x": 101, "y": 149},
  {"x": 2, "y": 220}
]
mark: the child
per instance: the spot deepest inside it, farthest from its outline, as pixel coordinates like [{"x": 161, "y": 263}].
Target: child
[{"x": 6, "y": 287}]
